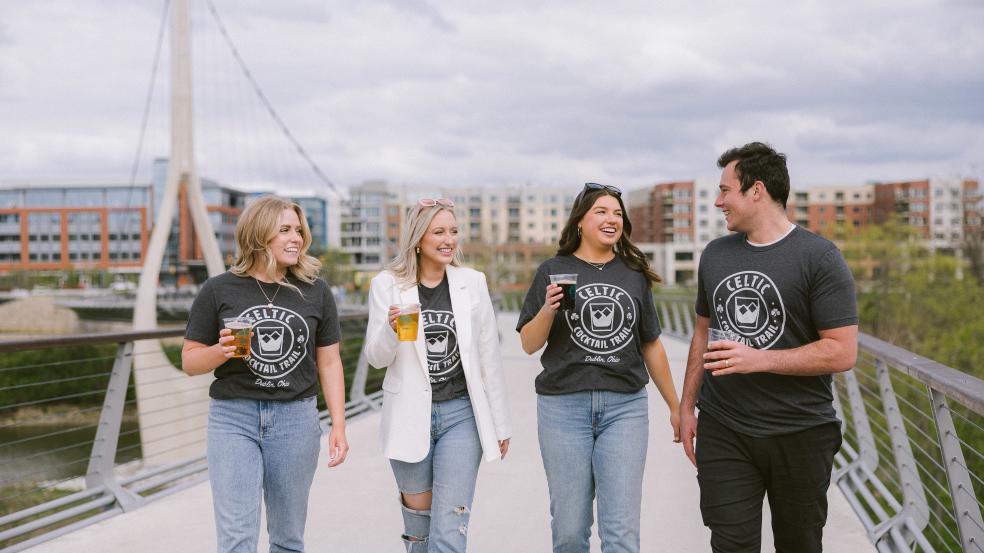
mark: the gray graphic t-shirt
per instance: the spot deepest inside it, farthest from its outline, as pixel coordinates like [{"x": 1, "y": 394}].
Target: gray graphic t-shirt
[
  {"x": 282, "y": 361},
  {"x": 598, "y": 345},
  {"x": 443, "y": 357},
  {"x": 775, "y": 297}
]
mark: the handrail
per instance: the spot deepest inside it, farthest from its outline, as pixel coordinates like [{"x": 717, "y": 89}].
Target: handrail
[
  {"x": 964, "y": 388},
  {"x": 23, "y": 344}
]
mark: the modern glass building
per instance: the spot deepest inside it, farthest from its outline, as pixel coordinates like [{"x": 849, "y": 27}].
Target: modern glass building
[{"x": 68, "y": 225}]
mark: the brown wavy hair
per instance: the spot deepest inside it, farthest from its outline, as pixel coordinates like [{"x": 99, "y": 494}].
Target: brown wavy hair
[
  {"x": 257, "y": 226},
  {"x": 632, "y": 256}
]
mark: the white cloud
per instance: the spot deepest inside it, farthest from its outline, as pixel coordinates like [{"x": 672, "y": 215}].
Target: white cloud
[{"x": 510, "y": 92}]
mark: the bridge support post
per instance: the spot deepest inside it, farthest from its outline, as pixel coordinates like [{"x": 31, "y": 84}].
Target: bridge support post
[
  {"x": 171, "y": 428},
  {"x": 913, "y": 516},
  {"x": 967, "y": 511},
  {"x": 102, "y": 459}
]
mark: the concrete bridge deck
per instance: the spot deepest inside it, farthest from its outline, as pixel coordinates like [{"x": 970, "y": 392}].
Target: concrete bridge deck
[{"x": 354, "y": 507}]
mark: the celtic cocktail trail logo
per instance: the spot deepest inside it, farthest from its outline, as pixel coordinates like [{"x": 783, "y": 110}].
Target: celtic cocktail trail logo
[
  {"x": 279, "y": 341},
  {"x": 441, "y": 339},
  {"x": 602, "y": 319},
  {"x": 749, "y": 304}
]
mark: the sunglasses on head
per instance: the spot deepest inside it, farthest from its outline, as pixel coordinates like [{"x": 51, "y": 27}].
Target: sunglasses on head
[
  {"x": 431, "y": 202},
  {"x": 588, "y": 186},
  {"x": 595, "y": 186}
]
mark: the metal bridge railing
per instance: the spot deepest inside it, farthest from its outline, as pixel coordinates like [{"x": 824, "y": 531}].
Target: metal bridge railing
[
  {"x": 72, "y": 451},
  {"x": 912, "y": 461}
]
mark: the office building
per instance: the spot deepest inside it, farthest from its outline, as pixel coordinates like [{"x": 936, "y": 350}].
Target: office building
[{"x": 64, "y": 225}]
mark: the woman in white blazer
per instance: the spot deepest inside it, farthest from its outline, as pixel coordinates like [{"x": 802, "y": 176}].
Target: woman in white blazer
[{"x": 444, "y": 403}]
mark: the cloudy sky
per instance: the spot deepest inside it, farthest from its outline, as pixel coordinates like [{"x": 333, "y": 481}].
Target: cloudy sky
[{"x": 502, "y": 93}]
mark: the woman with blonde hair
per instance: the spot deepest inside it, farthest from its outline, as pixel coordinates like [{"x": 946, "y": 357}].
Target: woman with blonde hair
[
  {"x": 444, "y": 403},
  {"x": 263, "y": 428}
]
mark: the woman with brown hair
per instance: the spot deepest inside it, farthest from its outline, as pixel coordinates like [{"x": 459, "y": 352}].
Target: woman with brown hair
[{"x": 602, "y": 348}]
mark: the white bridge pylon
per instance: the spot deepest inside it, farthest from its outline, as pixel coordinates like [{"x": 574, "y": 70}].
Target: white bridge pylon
[{"x": 170, "y": 432}]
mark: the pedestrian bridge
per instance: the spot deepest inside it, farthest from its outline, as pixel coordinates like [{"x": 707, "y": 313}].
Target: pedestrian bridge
[{"x": 146, "y": 506}]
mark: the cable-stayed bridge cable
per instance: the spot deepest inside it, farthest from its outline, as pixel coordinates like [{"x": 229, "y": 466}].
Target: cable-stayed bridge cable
[
  {"x": 143, "y": 132},
  {"x": 266, "y": 102}
]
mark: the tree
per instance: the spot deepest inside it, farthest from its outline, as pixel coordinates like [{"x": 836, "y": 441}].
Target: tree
[
  {"x": 973, "y": 251},
  {"x": 335, "y": 267},
  {"x": 916, "y": 299}
]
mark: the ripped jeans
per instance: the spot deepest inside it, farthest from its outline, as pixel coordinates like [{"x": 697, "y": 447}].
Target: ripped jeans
[{"x": 449, "y": 470}]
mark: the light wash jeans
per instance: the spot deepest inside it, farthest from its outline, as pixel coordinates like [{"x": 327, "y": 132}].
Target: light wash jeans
[
  {"x": 594, "y": 442},
  {"x": 450, "y": 470},
  {"x": 261, "y": 451}
]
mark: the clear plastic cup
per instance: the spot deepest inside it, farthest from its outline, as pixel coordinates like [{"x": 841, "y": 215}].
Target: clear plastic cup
[
  {"x": 241, "y": 328},
  {"x": 567, "y": 283},
  {"x": 407, "y": 322},
  {"x": 716, "y": 335}
]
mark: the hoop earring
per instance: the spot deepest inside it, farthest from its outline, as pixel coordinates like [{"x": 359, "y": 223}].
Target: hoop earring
[
  {"x": 578, "y": 232},
  {"x": 418, "y": 250}
]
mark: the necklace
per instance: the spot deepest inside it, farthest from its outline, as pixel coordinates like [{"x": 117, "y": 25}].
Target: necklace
[
  {"x": 262, "y": 291},
  {"x": 598, "y": 266}
]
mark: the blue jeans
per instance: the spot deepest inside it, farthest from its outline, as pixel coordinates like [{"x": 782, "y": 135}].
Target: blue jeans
[
  {"x": 449, "y": 470},
  {"x": 261, "y": 451},
  {"x": 594, "y": 442}
]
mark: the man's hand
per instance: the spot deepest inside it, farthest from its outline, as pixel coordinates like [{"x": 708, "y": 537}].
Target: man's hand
[
  {"x": 688, "y": 431},
  {"x": 727, "y": 357}
]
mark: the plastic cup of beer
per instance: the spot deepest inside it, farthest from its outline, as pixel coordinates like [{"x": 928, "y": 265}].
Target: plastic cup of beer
[
  {"x": 407, "y": 322},
  {"x": 567, "y": 283},
  {"x": 241, "y": 328},
  {"x": 716, "y": 335}
]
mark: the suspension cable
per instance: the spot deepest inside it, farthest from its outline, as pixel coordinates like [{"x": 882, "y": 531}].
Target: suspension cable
[
  {"x": 266, "y": 102},
  {"x": 135, "y": 167}
]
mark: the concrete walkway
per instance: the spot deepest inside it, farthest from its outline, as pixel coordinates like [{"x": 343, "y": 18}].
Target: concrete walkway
[{"x": 354, "y": 507}]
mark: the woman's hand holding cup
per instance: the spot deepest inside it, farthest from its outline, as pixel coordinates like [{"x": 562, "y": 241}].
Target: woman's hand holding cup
[
  {"x": 394, "y": 312},
  {"x": 553, "y": 297},
  {"x": 225, "y": 343}
]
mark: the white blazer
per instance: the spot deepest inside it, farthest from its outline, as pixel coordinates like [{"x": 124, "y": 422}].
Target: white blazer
[{"x": 406, "y": 418}]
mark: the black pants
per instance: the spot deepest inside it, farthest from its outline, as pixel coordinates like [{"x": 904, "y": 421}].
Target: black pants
[{"x": 735, "y": 470}]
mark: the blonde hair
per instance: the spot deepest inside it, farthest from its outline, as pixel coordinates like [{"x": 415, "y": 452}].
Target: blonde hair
[
  {"x": 406, "y": 264},
  {"x": 257, "y": 227}
]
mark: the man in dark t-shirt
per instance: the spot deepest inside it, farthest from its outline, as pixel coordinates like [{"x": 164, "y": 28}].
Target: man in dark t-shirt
[{"x": 783, "y": 300}]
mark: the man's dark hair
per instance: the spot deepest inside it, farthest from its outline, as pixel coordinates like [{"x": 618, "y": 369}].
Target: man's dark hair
[{"x": 757, "y": 161}]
